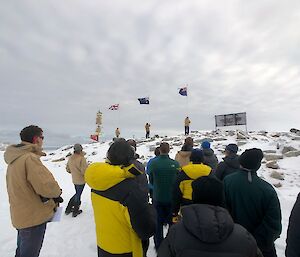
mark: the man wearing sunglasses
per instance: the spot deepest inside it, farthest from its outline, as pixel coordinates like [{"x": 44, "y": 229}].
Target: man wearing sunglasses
[{"x": 32, "y": 190}]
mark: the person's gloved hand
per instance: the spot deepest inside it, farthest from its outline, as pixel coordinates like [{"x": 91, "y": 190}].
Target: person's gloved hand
[
  {"x": 44, "y": 199},
  {"x": 58, "y": 199}
]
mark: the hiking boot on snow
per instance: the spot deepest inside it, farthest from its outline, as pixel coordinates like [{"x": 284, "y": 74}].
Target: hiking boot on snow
[
  {"x": 70, "y": 206},
  {"x": 76, "y": 210}
]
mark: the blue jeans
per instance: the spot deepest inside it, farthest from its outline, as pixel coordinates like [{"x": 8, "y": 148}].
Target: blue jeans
[
  {"x": 164, "y": 216},
  {"x": 30, "y": 241},
  {"x": 77, "y": 196}
]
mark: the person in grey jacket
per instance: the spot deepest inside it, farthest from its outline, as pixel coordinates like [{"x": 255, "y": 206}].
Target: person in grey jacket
[
  {"x": 206, "y": 229},
  {"x": 230, "y": 163},
  {"x": 210, "y": 159}
]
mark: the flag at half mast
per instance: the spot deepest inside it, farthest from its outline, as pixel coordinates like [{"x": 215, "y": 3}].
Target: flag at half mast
[
  {"x": 114, "y": 107},
  {"x": 183, "y": 91},
  {"x": 144, "y": 100}
]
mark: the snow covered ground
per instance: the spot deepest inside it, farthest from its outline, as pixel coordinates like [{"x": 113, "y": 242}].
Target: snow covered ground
[{"x": 76, "y": 236}]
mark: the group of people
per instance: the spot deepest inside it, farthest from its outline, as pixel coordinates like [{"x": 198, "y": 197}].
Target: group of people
[
  {"x": 187, "y": 122},
  {"x": 236, "y": 194},
  {"x": 210, "y": 208}
]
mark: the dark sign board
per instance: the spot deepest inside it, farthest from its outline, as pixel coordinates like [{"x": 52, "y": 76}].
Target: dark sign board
[{"x": 233, "y": 119}]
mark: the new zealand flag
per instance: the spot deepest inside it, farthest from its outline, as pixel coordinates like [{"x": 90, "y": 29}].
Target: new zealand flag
[{"x": 183, "y": 91}]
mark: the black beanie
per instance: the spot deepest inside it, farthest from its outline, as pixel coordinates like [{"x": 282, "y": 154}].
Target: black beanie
[
  {"x": 197, "y": 156},
  {"x": 251, "y": 159},
  {"x": 208, "y": 190},
  {"x": 233, "y": 148},
  {"x": 120, "y": 153}
]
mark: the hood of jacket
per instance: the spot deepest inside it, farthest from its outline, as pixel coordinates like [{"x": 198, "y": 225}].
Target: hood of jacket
[
  {"x": 184, "y": 154},
  {"x": 210, "y": 224},
  {"x": 13, "y": 152},
  {"x": 102, "y": 176},
  {"x": 208, "y": 152},
  {"x": 195, "y": 171},
  {"x": 232, "y": 161}
]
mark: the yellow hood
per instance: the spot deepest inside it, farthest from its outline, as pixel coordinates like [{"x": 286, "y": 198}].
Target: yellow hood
[
  {"x": 102, "y": 176},
  {"x": 195, "y": 171}
]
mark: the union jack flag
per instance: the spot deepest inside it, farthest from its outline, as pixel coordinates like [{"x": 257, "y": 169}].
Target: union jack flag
[
  {"x": 114, "y": 107},
  {"x": 95, "y": 137}
]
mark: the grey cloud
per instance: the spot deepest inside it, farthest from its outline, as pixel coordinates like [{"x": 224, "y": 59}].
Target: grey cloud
[{"x": 60, "y": 63}]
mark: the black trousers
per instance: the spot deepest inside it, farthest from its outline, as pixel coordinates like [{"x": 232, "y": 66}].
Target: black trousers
[
  {"x": 268, "y": 251},
  {"x": 186, "y": 130}
]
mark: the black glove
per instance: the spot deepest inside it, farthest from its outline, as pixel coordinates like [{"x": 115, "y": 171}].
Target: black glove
[
  {"x": 44, "y": 199},
  {"x": 58, "y": 199}
]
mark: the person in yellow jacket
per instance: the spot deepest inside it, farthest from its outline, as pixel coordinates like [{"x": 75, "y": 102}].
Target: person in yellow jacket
[
  {"x": 187, "y": 123},
  {"x": 182, "y": 194},
  {"x": 147, "y": 128},
  {"x": 33, "y": 192},
  {"x": 117, "y": 132},
  {"x": 76, "y": 166},
  {"x": 122, "y": 213}
]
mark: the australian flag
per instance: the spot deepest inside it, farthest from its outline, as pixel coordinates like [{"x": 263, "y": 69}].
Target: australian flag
[
  {"x": 144, "y": 100},
  {"x": 183, "y": 91}
]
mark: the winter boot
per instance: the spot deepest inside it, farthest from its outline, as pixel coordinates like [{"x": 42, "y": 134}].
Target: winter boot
[
  {"x": 70, "y": 206},
  {"x": 76, "y": 210}
]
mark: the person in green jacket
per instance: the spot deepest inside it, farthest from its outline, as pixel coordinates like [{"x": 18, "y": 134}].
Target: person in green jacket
[
  {"x": 163, "y": 172},
  {"x": 253, "y": 202}
]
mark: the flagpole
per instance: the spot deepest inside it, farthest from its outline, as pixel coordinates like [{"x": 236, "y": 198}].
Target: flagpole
[
  {"x": 187, "y": 105},
  {"x": 118, "y": 117},
  {"x": 187, "y": 102},
  {"x": 149, "y": 112}
]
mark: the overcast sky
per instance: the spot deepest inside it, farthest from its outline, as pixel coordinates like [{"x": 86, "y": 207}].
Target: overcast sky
[{"x": 62, "y": 61}]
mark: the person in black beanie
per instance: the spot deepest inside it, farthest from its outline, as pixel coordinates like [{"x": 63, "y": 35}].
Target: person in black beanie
[
  {"x": 253, "y": 202},
  {"x": 121, "y": 208},
  {"x": 206, "y": 229}
]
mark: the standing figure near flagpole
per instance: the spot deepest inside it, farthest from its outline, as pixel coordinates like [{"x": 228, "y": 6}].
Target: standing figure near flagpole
[
  {"x": 117, "y": 132},
  {"x": 147, "y": 128},
  {"x": 187, "y": 126}
]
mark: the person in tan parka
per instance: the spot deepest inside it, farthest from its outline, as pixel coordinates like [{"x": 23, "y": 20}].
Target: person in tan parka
[
  {"x": 32, "y": 190},
  {"x": 117, "y": 132},
  {"x": 187, "y": 123},
  {"x": 183, "y": 156},
  {"x": 147, "y": 128},
  {"x": 76, "y": 166}
]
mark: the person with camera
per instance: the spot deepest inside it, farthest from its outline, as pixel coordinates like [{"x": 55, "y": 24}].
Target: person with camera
[
  {"x": 123, "y": 216},
  {"x": 32, "y": 190}
]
